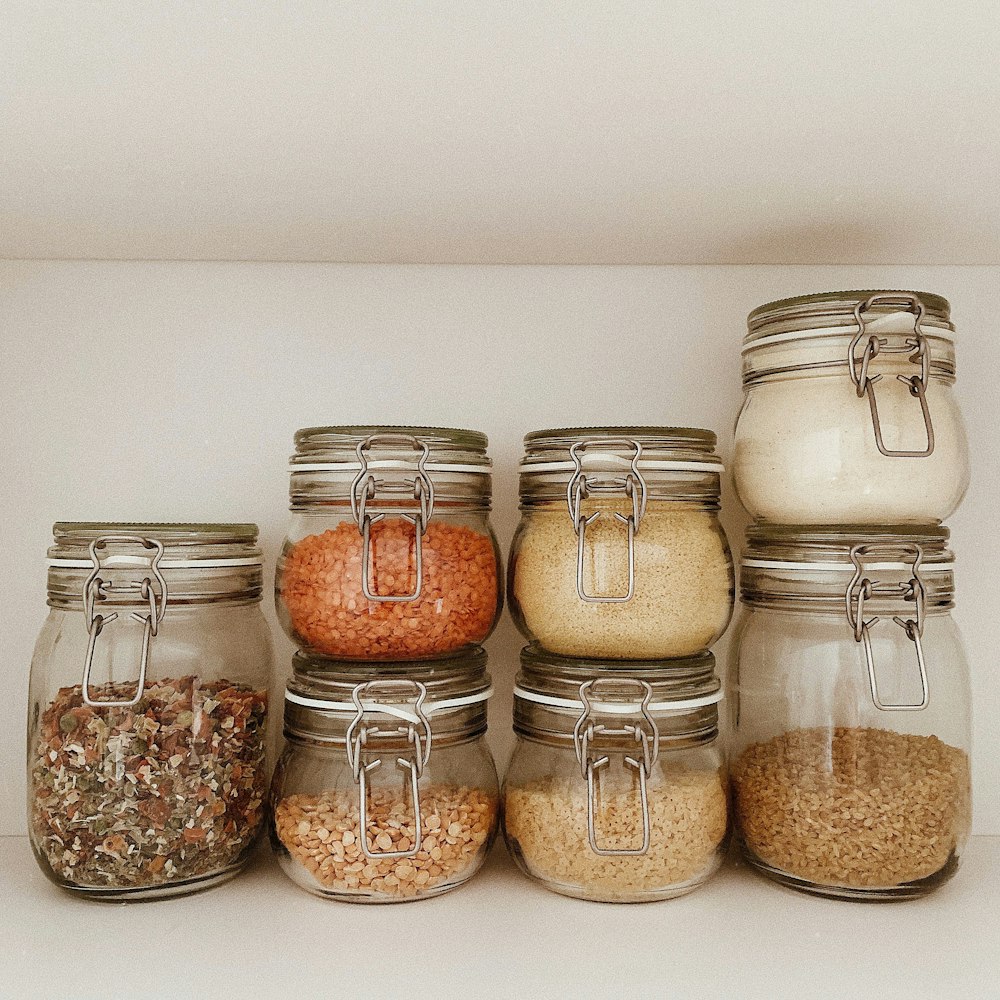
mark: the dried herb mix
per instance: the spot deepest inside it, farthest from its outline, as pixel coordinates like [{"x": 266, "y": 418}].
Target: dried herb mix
[{"x": 169, "y": 790}]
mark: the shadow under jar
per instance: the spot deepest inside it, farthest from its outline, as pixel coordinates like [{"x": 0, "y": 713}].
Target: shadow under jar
[
  {"x": 386, "y": 790},
  {"x": 390, "y": 554},
  {"x": 851, "y": 704},
  {"x": 619, "y": 552},
  {"x": 616, "y": 790},
  {"x": 148, "y": 709},
  {"x": 849, "y": 412}
]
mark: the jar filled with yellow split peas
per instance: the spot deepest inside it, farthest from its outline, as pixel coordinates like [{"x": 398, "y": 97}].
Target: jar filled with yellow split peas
[
  {"x": 386, "y": 790},
  {"x": 390, "y": 554},
  {"x": 620, "y": 553},
  {"x": 617, "y": 790}
]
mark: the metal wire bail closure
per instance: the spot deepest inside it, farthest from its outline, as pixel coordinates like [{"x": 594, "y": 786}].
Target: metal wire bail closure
[
  {"x": 151, "y": 587},
  {"x": 648, "y": 741},
  {"x": 919, "y": 351},
  {"x": 360, "y": 734},
  {"x": 363, "y": 492},
  {"x": 580, "y": 487},
  {"x": 861, "y": 588}
]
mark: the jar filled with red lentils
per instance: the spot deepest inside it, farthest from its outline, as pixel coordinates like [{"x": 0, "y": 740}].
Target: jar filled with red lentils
[
  {"x": 620, "y": 553},
  {"x": 851, "y": 708},
  {"x": 617, "y": 789},
  {"x": 386, "y": 790},
  {"x": 390, "y": 554}
]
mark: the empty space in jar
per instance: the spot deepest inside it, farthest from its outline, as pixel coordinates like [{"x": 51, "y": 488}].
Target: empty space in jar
[
  {"x": 683, "y": 581},
  {"x": 321, "y": 834},
  {"x": 169, "y": 790},
  {"x": 545, "y": 821},
  {"x": 321, "y": 590},
  {"x": 853, "y": 807}
]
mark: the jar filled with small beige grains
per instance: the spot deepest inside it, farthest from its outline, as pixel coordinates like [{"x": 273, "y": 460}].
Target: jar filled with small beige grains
[
  {"x": 617, "y": 788},
  {"x": 386, "y": 790},
  {"x": 851, "y": 709},
  {"x": 620, "y": 553}
]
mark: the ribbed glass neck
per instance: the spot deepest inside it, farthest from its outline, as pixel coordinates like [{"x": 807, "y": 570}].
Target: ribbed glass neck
[{"x": 193, "y": 563}]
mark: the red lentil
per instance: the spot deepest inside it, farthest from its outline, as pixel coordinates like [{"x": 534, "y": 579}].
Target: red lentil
[{"x": 321, "y": 590}]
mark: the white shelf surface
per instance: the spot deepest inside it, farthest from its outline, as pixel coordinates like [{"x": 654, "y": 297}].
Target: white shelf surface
[
  {"x": 501, "y": 936},
  {"x": 492, "y": 132}
]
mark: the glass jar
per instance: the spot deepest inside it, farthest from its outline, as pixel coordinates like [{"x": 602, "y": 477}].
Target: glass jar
[
  {"x": 851, "y": 728},
  {"x": 390, "y": 554},
  {"x": 402, "y": 757},
  {"x": 619, "y": 553},
  {"x": 616, "y": 790},
  {"x": 148, "y": 709},
  {"x": 849, "y": 414}
]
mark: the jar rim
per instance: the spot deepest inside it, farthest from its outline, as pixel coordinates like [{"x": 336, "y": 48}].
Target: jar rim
[
  {"x": 545, "y": 675},
  {"x": 168, "y": 532},
  {"x": 820, "y": 544},
  {"x": 819, "y": 310},
  {"x": 644, "y": 433},
  {"x": 338, "y": 444}
]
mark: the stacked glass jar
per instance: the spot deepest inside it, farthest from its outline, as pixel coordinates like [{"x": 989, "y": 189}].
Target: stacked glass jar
[
  {"x": 849, "y": 686},
  {"x": 620, "y": 576},
  {"x": 389, "y": 581}
]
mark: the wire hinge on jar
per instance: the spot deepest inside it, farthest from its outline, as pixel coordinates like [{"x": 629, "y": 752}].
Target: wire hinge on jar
[
  {"x": 151, "y": 587},
  {"x": 861, "y": 588},
  {"x": 363, "y": 492},
  {"x": 580, "y": 488},
  {"x": 919, "y": 351},
  {"x": 361, "y": 735},
  {"x": 647, "y": 739}
]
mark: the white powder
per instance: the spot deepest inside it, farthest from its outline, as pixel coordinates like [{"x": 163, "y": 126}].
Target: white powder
[{"x": 806, "y": 454}]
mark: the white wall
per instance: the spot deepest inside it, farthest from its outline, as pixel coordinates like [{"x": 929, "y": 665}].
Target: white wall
[
  {"x": 501, "y": 131},
  {"x": 148, "y": 391}
]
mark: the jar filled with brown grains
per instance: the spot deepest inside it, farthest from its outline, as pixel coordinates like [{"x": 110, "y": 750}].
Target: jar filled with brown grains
[
  {"x": 619, "y": 553},
  {"x": 390, "y": 554},
  {"x": 386, "y": 790},
  {"x": 148, "y": 709},
  {"x": 616, "y": 790},
  {"x": 851, "y": 703}
]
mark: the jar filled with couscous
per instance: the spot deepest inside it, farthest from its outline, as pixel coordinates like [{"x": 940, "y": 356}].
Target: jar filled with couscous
[
  {"x": 390, "y": 554},
  {"x": 620, "y": 553},
  {"x": 386, "y": 790},
  {"x": 617, "y": 789},
  {"x": 851, "y": 710}
]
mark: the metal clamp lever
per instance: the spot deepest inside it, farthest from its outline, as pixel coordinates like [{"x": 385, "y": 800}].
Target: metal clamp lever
[
  {"x": 95, "y": 590},
  {"x": 580, "y": 487},
  {"x": 863, "y": 588},
  {"x": 647, "y": 739},
  {"x": 360, "y": 736},
  {"x": 919, "y": 352},
  {"x": 363, "y": 492}
]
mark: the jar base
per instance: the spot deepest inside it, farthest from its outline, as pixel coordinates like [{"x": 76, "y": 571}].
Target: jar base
[
  {"x": 591, "y": 896},
  {"x": 887, "y": 894},
  {"x": 142, "y": 894}
]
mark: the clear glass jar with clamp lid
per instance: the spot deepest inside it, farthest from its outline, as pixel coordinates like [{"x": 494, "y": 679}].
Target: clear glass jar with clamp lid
[
  {"x": 851, "y": 703},
  {"x": 849, "y": 413},
  {"x": 619, "y": 553},
  {"x": 616, "y": 790},
  {"x": 390, "y": 554},
  {"x": 386, "y": 790},
  {"x": 148, "y": 709}
]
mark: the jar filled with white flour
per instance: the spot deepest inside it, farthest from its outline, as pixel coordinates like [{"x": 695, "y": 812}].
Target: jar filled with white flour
[{"x": 850, "y": 413}]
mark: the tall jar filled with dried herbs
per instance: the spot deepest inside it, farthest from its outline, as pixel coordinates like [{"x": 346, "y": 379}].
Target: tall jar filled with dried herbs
[
  {"x": 850, "y": 691},
  {"x": 148, "y": 709}
]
